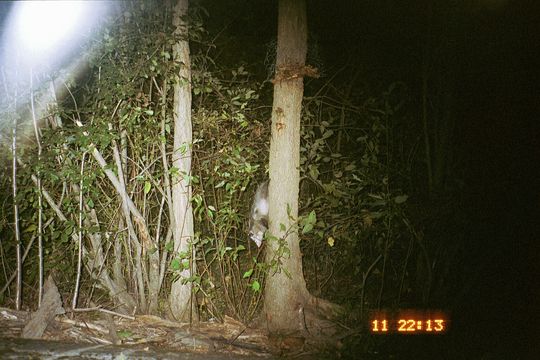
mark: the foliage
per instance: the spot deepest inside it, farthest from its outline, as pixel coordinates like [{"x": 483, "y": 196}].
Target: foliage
[
  {"x": 356, "y": 235},
  {"x": 357, "y": 197},
  {"x": 229, "y": 123}
]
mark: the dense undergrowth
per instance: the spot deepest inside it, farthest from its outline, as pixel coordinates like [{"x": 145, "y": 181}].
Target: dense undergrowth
[{"x": 372, "y": 243}]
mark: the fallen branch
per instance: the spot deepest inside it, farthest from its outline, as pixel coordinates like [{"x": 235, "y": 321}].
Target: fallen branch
[{"x": 100, "y": 309}]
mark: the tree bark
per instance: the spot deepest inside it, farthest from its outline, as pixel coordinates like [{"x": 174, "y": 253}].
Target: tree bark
[
  {"x": 180, "y": 296},
  {"x": 285, "y": 296}
]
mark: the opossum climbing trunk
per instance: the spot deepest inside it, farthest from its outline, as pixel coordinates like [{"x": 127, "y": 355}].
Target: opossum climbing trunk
[{"x": 258, "y": 220}]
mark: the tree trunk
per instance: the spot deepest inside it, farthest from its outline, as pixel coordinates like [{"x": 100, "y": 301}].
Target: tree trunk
[
  {"x": 285, "y": 296},
  {"x": 180, "y": 297}
]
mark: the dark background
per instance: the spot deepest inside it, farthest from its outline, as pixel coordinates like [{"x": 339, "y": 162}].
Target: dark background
[{"x": 490, "y": 57}]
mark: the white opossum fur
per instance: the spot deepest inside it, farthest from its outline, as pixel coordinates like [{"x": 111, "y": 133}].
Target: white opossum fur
[{"x": 258, "y": 221}]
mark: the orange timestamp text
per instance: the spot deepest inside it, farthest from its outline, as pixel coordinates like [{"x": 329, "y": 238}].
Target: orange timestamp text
[{"x": 409, "y": 322}]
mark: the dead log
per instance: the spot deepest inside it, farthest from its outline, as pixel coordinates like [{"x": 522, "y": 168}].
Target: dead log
[{"x": 50, "y": 307}]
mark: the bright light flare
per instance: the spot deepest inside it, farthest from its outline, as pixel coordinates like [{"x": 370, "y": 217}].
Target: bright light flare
[
  {"x": 44, "y": 32},
  {"x": 44, "y": 25},
  {"x": 38, "y": 39}
]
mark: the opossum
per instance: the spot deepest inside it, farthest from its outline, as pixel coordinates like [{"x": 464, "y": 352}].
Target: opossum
[{"x": 258, "y": 221}]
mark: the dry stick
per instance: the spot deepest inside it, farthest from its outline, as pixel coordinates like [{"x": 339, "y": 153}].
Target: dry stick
[
  {"x": 3, "y": 258},
  {"x": 26, "y": 251},
  {"x": 164, "y": 257},
  {"x": 100, "y": 309},
  {"x": 166, "y": 179},
  {"x": 78, "y": 122},
  {"x": 6, "y": 92},
  {"x": 40, "y": 196},
  {"x": 155, "y": 265},
  {"x": 121, "y": 190},
  {"x": 110, "y": 174},
  {"x": 381, "y": 289},
  {"x": 131, "y": 230},
  {"x": 18, "y": 295},
  {"x": 106, "y": 281},
  {"x": 79, "y": 259},
  {"x": 364, "y": 278},
  {"x": 84, "y": 324},
  {"x": 14, "y": 274},
  {"x": 139, "y": 281}
]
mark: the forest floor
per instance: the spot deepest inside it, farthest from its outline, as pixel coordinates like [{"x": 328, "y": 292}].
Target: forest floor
[{"x": 95, "y": 335}]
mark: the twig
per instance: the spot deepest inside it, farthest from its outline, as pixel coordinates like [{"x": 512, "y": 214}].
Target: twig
[
  {"x": 84, "y": 324},
  {"x": 365, "y": 276},
  {"x": 97, "y": 308}
]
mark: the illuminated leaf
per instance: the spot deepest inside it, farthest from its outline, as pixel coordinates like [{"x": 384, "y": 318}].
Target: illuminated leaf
[
  {"x": 247, "y": 273},
  {"x": 331, "y": 241},
  {"x": 147, "y": 187},
  {"x": 307, "y": 228},
  {"x": 30, "y": 228},
  {"x": 175, "y": 264}
]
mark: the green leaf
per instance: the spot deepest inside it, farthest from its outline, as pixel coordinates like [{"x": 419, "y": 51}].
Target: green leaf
[
  {"x": 327, "y": 134},
  {"x": 312, "y": 218},
  {"x": 256, "y": 286},
  {"x": 124, "y": 334},
  {"x": 31, "y": 228},
  {"x": 313, "y": 172},
  {"x": 147, "y": 187},
  {"x": 175, "y": 264},
  {"x": 400, "y": 199},
  {"x": 307, "y": 228},
  {"x": 90, "y": 203},
  {"x": 247, "y": 273}
]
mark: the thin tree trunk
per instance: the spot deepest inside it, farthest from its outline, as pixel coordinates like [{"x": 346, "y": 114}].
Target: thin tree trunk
[
  {"x": 286, "y": 292},
  {"x": 80, "y": 245},
  {"x": 18, "y": 295},
  {"x": 40, "y": 196},
  {"x": 180, "y": 297}
]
